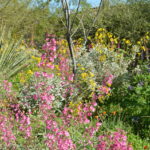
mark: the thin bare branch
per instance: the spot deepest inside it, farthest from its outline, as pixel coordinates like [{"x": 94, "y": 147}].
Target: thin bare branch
[
  {"x": 68, "y": 15},
  {"x": 63, "y": 23},
  {"x": 77, "y": 10},
  {"x": 77, "y": 26},
  {"x": 84, "y": 30},
  {"x": 64, "y": 11}
]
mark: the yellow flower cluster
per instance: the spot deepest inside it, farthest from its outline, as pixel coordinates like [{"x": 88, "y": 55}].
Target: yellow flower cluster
[
  {"x": 128, "y": 42},
  {"x": 102, "y": 58},
  {"x": 78, "y": 44},
  {"x": 37, "y": 59},
  {"x": 63, "y": 51},
  {"x": 29, "y": 72},
  {"x": 57, "y": 70},
  {"x": 105, "y": 38},
  {"x": 57, "y": 67},
  {"x": 24, "y": 76},
  {"x": 62, "y": 47},
  {"x": 143, "y": 48},
  {"x": 88, "y": 77},
  {"x": 85, "y": 75},
  {"x": 101, "y": 98},
  {"x": 92, "y": 84},
  {"x": 91, "y": 74},
  {"x": 75, "y": 107},
  {"x": 64, "y": 43},
  {"x": 143, "y": 41}
]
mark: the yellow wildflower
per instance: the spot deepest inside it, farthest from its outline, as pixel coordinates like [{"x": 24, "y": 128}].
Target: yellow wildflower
[
  {"x": 71, "y": 104},
  {"x": 143, "y": 48},
  {"x": 57, "y": 67},
  {"x": 84, "y": 75},
  {"x": 92, "y": 84},
  {"x": 100, "y": 36},
  {"x": 22, "y": 80},
  {"x": 58, "y": 74},
  {"x": 30, "y": 72},
  {"x": 33, "y": 57},
  {"x": 108, "y": 84},
  {"x": 109, "y": 35},
  {"x": 91, "y": 74},
  {"x": 64, "y": 51},
  {"x": 100, "y": 98},
  {"x": 111, "y": 39},
  {"x": 115, "y": 40},
  {"x": 101, "y": 41},
  {"x": 147, "y": 37},
  {"x": 102, "y": 58},
  {"x": 138, "y": 42},
  {"x": 38, "y": 59},
  {"x": 96, "y": 117},
  {"x": 104, "y": 113},
  {"x": 82, "y": 68},
  {"x": 89, "y": 38},
  {"x": 101, "y": 29},
  {"x": 96, "y": 34},
  {"x": 128, "y": 42}
]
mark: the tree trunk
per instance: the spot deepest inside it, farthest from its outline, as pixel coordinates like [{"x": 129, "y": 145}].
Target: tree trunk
[{"x": 70, "y": 44}]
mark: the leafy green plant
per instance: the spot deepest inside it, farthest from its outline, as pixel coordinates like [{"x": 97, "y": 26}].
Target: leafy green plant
[
  {"x": 137, "y": 142},
  {"x": 131, "y": 94},
  {"x": 12, "y": 59}
]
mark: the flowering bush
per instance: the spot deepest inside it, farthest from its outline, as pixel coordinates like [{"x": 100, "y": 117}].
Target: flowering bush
[
  {"x": 115, "y": 141},
  {"x": 54, "y": 110}
]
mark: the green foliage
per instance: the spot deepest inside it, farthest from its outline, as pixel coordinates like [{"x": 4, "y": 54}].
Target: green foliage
[
  {"x": 131, "y": 94},
  {"x": 137, "y": 142},
  {"x": 135, "y": 94},
  {"x": 33, "y": 19},
  {"x": 28, "y": 18},
  {"x": 12, "y": 60},
  {"x": 127, "y": 20}
]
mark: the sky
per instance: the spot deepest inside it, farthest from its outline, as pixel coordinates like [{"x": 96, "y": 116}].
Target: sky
[{"x": 94, "y": 2}]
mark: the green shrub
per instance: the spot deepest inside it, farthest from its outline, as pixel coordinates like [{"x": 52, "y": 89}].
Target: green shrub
[{"x": 131, "y": 95}]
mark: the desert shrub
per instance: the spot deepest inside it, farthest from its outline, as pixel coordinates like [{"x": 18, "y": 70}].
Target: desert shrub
[{"x": 130, "y": 99}]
